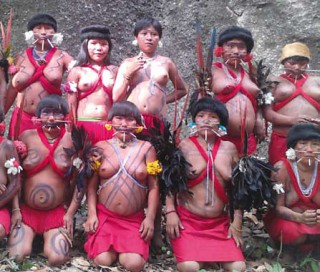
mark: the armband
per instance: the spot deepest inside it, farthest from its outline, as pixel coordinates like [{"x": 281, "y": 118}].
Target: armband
[
  {"x": 154, "y": 168},
  {"x": 70, "y": 87},
  {"x": 95, "y": 165}
]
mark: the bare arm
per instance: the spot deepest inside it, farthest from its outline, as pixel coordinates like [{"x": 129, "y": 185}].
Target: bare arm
[
  {"x": 72, "y": 96},
  {"x": 13, "y": 181},
  {"x": 3, "y": 88},
  {"x": 178, "y": 83},
  {"x": 92, "y": 219}
]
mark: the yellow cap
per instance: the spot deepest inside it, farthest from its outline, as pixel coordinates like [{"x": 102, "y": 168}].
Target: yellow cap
[{"x": 295, "y": 49}]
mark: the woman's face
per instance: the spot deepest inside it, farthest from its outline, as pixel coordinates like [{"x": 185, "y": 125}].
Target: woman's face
[
  {"x": 98, "y": 50},
  {"x": 42, "y": 33},
  {"x": 124, "y": 123},
  {"x": 234, "y": 51},
  {"x": 148, "y": 39},
  {"x": 295, "y": 67},
  {"x": 207, "y": 122},
  {"x": 308, "y": 149}
]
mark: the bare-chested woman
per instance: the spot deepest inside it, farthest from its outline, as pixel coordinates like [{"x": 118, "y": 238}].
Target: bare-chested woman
[
  {"x": 199, "y": 225},
  {"x": 233, "y": 86},
  {"x": 296, "y": 97},
  {"x": 9, "y": 181},
  {"x": 91, "y": 81},
  {"x": 125, "y": 184},
  {"x": 143, "y": 79},
  {"x": 45, "y": 189},
  {"x": 40, "y": 71},
  {"x": 296, "y": 219}
]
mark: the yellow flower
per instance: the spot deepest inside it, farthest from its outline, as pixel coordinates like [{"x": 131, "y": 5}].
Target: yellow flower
[
  {"x": 138, "y": 130},
  {"x": 95, "y": 165},
  {"x": 154, "y": 168},
  {"x": 10, "y": 60},
  {"x": 108, "y": 126}
]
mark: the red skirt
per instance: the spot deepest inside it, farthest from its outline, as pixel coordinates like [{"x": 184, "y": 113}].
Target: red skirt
[
  {"x": 26, "y": 122},
  {"x": 204, "y": 239},
  {"x": 5, "y": 219},
  {"x": 97, "y": 131},
  {"x": 287, "y": 231},
  {"x": 252, "y": 143},
  {"x": 42, "y": 220},
  {"x": 118, "y": 233},
  {"x": 277, "y": 147}
]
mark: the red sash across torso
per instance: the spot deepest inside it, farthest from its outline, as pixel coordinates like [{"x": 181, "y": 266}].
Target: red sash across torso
[
  {"x": 38, "y": 73},
  {"x": 299, "y": 91},
  {"x": 305, "y": 200},
  {"x": 97, "y": 84},
  {"x": 225, "y": 95},
  {"x": 217, "y": 185},
  {"x": 50, "y": 158}
]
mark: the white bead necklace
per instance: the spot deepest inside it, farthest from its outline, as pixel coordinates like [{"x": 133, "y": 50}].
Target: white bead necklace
[{"x": 306, "y": 191}]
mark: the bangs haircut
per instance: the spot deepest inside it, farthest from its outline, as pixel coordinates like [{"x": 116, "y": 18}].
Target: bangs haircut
[
  {"x": 53, "y": 102},
  {"x": 296, "y": 58},
  {"x": 144, "y": 23},
  {"x": 211, "y": 105},
  {"x": 125, "y": 108}
]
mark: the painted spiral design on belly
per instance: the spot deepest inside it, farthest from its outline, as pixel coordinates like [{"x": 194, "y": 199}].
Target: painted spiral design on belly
[{"x": 42, "y": 195}]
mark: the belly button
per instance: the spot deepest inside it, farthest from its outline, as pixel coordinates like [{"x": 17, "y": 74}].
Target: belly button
[{"x": 41, "y": 199}]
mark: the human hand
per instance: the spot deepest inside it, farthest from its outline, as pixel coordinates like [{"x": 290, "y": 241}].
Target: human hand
[
  {"x": 91, "y": 224},
  {"x": 236, "y": 233},
  {"x": 173, "y": 225},
  {"x": 135, "y": 65},
  {"x": 3, "y": 189},
  {"x": 309, "y": 217},
  {"x": 147, "y": 229},
  {"x": 68, "y": 224},
  {"x": 16, "y": 218}
]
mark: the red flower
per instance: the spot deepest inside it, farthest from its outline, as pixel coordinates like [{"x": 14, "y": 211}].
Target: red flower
[
  {"x": 218, "y": 51},
  {"x": 248, "y": 58}
]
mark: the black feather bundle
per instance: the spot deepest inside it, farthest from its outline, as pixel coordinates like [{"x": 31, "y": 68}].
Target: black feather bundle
[
  {"x": 251, "y": 186},
  {"x": 174, "y": 165},
  {"x": 81, "y": 155}
]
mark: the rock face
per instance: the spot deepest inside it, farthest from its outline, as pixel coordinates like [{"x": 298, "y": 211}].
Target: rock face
[{"x": 273, "y": 24}]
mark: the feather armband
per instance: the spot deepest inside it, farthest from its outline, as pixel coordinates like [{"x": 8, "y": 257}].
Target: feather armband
[
  {"x": 154, "y": 168},
  {"x": 252, "y": 186}
]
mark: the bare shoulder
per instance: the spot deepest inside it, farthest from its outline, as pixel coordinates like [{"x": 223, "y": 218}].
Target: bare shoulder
[
  {"x": 281, "y": 173},
  {"x": 113, "y": 68},
  {"x": 228, "y": 148},
  {"x": 29, "y": 135}
]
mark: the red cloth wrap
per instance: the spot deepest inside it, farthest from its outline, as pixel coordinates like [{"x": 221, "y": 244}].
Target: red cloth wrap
[
  {"x": 42, "y": 220},
  {"x": 252, "y": 143},
  {"x": 25, "y": 122},
  {"x": 118, "y": 233},
  {"x": 279, "y": 228},
  {"x": 204, "y": 239},
  {"x": 153, "y": 122},
  {"x": 5, "y": 219},
  {"x": 288, "y": 231},
  {"x": 277, "y": 147},
  {"x": 299, "y": 91},
  {"x": 96, "y": 129}
]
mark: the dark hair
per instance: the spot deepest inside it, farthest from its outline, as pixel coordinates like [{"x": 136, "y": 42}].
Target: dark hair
[
  {"x": 125, "y": 108},
  {"x": 53, "y": 101},
  {"x": 212, "y": 105},
  {"x": 302, "y": 131},
  {"x": 2, "y": 115},
  {"x": 144, "y": 23},
  {"x": 236, "y": 32},
  {"x": 42, "y": 18},
  {"x": 296, "y": 58}
]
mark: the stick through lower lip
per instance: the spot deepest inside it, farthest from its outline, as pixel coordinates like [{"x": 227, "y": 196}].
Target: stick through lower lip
[
  {"x": 56, "y": 121},
  {"x": 134, "y": 127}
]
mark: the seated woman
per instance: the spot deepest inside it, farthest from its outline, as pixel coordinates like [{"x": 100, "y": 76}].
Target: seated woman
[
  {"x": 118, "y": 228},
  {"x": 296, "y": 218},
  {"x": 198, "y": 222},
  {"x": 44, "y": 204}
]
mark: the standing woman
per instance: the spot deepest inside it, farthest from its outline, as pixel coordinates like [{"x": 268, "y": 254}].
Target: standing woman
[
  {"x": 143, "y": 79},
  {"x": 91, "y": 81}
]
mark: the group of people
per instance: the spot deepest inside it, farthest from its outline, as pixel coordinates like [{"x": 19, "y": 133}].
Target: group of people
[{"x": 115, "y": 105}]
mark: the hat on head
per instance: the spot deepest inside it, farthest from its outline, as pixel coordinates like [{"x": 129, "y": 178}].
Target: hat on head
[
  {"x": 236, "y": 32},
  {"x": 95, "y": 32},
  {"x": 296, "y": 49},
  {"x": 42, "y": 18},
  {"x": 302, "y": 131}
]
